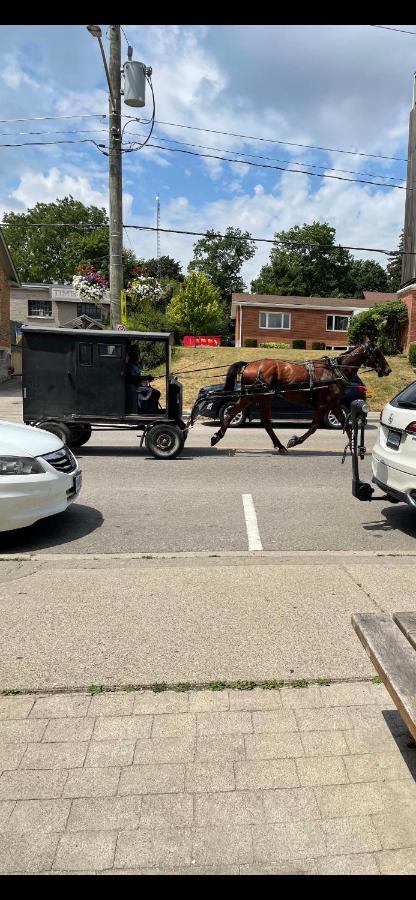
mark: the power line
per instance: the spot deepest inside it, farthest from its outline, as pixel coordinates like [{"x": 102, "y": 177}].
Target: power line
[
  {"x": 50, "y": 118},
  {"x": 54, "y": 143},
  {"x": 389, "y": 28}
]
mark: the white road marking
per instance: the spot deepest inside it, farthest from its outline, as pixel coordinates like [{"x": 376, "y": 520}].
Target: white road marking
[{"x": 254, "y": 542}]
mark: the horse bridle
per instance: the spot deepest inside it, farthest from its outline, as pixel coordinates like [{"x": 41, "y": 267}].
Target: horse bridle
[{"x": 376, "y": 363}]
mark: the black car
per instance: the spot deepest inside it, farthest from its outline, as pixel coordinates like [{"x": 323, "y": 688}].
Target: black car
[{"x": 214, "y": 407}]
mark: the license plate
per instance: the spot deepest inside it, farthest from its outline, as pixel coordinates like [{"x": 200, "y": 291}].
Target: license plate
[
  {"x": 393, "y": 439},
  {"x": 77, "y": 482}
]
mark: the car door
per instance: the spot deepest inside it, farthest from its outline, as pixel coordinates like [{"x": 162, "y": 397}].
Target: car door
[{"x": 101, "y": 388}]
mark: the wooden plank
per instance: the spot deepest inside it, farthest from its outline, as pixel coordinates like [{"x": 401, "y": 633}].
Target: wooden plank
[
  {"x": 393, "y": 657},
  {"x": 407, "y": 624}
]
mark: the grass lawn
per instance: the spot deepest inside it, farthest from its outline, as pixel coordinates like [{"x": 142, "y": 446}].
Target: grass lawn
[{"x": 185, "y": 359}]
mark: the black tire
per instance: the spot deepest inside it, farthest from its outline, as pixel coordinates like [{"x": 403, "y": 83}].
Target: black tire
[
  {"x": 331, "y": 421},
  {"x": 80, "y": 434},
  {"x": 239, "y": 420},
  {"x": 59, "y": 428},
  {"x": 392, "y": 499},
  {"x": 164, "y": 441}
]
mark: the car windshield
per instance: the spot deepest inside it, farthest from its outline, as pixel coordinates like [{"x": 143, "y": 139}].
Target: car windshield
[{"x": 407, "y": 398}]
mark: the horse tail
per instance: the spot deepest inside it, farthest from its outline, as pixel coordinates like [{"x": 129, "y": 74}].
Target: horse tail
[{"x": 232, "y": 374}]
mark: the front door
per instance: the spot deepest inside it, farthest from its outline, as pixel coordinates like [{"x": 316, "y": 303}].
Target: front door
[{"x": 101, "y": 389}]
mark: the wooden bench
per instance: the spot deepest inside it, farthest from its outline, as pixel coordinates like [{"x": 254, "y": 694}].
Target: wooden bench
[{"x": 390, "y": 642}]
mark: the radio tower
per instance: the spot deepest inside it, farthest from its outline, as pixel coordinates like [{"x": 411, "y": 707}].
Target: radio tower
[{"x": 158, "y": 237}]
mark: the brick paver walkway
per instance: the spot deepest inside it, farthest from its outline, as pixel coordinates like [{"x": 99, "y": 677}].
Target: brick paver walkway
[{"x": 316, "y": 780}]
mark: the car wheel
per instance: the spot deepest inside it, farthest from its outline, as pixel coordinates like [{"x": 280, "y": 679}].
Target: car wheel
[
  {"x": 80, "y": 434},
  {"x": 238, "y": 421},
  {"x": 331, "y": 421},
  {"x": 164, "y": 441},
  {"x": 59, "y": 428}
]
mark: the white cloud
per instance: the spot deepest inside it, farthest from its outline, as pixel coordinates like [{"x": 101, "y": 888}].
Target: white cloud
[{"x": 36, "y": 187}]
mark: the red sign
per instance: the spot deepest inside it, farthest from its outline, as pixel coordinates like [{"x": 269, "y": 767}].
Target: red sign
[{"x": 191, "y": 341}]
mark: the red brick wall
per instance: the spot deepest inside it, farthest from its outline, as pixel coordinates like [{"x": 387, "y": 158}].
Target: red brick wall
[
  {"x": 306, "y": 324},
  {"x": 4, "y": 311},
  {"x": 410, "y": 334}
]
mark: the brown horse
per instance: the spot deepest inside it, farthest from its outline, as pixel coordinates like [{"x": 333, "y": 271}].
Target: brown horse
[{"x": 325, "y": 378}]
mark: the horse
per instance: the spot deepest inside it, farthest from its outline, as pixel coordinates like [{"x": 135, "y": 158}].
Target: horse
[{"x": 326, "y": 378}]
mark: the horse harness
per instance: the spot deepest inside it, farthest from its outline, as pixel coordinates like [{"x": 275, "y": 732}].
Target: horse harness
[{"x": 330, "y": 362}]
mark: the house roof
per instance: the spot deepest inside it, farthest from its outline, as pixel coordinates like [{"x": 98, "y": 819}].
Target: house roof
[
  {"x": 6, "y": 261},
  {"x": 379, "y": 297},
  {"x": 84, "y": 322},
  {"x": 335, "y": 303}
]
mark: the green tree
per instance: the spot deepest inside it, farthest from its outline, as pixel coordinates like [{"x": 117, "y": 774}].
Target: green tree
[
  {"x": 368, "y": 275},
  {"x": 196, "y": 308},
  {"x": 384, "y": 323},
  {"x": 169, "y": 268},
  {"x": 52, "y": 254},
  {"x": 221, "y": 258},
  {"x": 394, "y": 267}
]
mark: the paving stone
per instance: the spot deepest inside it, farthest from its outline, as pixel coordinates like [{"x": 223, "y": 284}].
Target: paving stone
[
  {"x": 340, "y": 800},
  {"x": 397, "y": 862},
  {"x": 15, "y": 707},
  {"x": 218, "y": 846},
  {"x": 286, "y": 867},
  {"x": 354, "y": 694},
  {"x": 258, "y": 698},
  {"x": 39, "y": 816},
  {"x": 370, "y": 740},
  {"x": 6, "y": 807},
  {"x": 85, "y": 850},
  {"x": 64, "y": 755},
  {"x": 316, "y": 770},
  {"x": 222, "y": 747},
  {"x": 164, "y": 750},
  {"x": 355, "y": 834},
  {"x": 238, "y": 807},
  {"x": 68, "y": 730},
  {"x": 301, "y": 698},
  {"x": 27, "y": 852},
  {"x": 276, "y": 720},
  {"x": 376, "y": 767},
  {"x": 224, "y": 723},
  {"x": 274, "y": 746},
  {"x": 92, "y": 782},
  {"x": 290, "y": 805},
  {"x": 396, "y": 828},
  {"x": 32, "y": 785},
  {"x": 323, "y": 719},
  {"x": 110, "y": 753},
  {"x": 149, "y": 702},
  {"x": 210, "y": 701},
  {"x": 105, "y": 814},
  {"x": 264, "y": 774},
  {"x": 167, "y": 809},
  {"x": 156, "y": 779},
  {"x": 10, "y": 755},
  {"x": 173, "y": 725},
  {"x": 60, "y": 706},
  {"x": 21, "y": 731},
  {"x": 154, "y": 846},
  {"x": 122, "y": 728},
  {"x": 382, "y": 696},
  {"x": 287, "y": 840},
  {"x": 112, "y": 704},
  {"x": 362, "y": 717},
  {"x": 399, "y": 793},
  {"x": 353, "y": 864},
  {"x": 179, "y": 870},
  {"x": 209, "y": 776},
  {"x": 321, "y": 743}
]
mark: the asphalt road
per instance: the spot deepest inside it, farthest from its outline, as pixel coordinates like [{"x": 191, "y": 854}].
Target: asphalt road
[{"x": 132, "y": 503}]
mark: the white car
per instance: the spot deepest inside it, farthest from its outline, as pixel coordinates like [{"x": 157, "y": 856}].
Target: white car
[
  {"x": 394, "y": 454},
  {"x": 39, "y": 476}
]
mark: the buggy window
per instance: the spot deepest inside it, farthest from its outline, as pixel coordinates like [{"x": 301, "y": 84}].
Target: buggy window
[
  {"x": 85, "y": 354},
  {"x": 113, "y": 350}
]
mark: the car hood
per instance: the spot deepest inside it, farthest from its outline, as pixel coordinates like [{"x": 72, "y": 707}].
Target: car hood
[{"x": 23, "y": 440}]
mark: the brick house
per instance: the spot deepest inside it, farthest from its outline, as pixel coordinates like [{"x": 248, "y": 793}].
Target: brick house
[
  {"x": 268, "y": 317},
  {"x": 8, "y": 279}
]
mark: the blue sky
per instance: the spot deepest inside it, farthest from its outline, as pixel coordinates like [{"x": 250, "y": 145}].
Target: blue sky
[{"x": 344, "y": 86}]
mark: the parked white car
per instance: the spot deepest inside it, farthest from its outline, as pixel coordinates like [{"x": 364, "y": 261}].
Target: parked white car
[
  {"x": 39, "y": 476},
  {"x": 394, "y": 454}
]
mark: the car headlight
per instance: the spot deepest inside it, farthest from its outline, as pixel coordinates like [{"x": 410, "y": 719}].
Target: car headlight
[{"x": 20, "y": 465}]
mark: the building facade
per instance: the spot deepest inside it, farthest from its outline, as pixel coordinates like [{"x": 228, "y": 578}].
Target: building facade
[
  {"x": 9, "y": 279},
  {"x": 271, "y": 318},
  {"x": 51, "y": 304}
]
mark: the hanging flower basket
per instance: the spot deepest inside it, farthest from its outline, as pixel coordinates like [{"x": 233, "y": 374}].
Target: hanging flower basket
[
  {"x": 89, "y": 284},
  {"x": 144, "y": 287}
]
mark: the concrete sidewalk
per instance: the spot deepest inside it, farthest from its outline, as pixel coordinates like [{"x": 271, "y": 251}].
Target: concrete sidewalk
[{"x": 315, "y": 780}]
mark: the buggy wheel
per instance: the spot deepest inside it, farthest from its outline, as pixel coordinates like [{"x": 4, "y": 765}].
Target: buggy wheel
[
  {"x": 331, "y": 421},
  {"x": 164, "y": 441},
  {"x": 80, "y": 434},
  {"x": 59, "y": 428},
  {"x": 238, "y": 421}
]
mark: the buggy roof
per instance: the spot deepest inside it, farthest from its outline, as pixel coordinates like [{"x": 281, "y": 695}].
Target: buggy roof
[{"x": 84, "y": 333}]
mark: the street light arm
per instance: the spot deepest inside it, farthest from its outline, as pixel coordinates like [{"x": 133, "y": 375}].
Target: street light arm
[{"x": 113, "y": 100}]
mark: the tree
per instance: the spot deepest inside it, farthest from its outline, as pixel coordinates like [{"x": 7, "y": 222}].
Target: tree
[
  {"x": 221, "y": 258},
  {"x": 384, "y": 323},
  {"x": 169, "y": 268},
  {"x": 48, "y": 255},
  {"x": 196, "y": 308},
  {"x": 394, "y": 267},
  {"x": 368, "y": 275}
]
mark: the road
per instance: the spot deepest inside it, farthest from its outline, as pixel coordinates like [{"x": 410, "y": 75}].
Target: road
[{"x": 132, "y": 503}]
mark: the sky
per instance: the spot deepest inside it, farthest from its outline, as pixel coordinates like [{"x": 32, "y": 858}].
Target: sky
[{"x": 344, "y": 87}]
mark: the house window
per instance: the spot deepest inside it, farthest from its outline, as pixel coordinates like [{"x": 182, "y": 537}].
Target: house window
[
  {"x": 337, "y": 323},
  {"x": 274, "y": 320},
  {"x": 89, "y": 309},
  {"x": 40, "y": 308}
]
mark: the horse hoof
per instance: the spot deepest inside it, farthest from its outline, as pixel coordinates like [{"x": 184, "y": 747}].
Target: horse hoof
[
  {"x": 214, "y": 440},
  {"x": 293, "y": 441},
  {"x": 282, "y": 451}
]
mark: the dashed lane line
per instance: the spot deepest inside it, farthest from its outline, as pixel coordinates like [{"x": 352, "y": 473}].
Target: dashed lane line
[{"x": 253, "y": 535}]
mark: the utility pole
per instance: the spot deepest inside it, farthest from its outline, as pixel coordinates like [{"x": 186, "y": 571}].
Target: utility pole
[
  {"x": 409, "y": 262},
  {"x": 115, "y": 177},
  {"x": 158, "y": 273}
]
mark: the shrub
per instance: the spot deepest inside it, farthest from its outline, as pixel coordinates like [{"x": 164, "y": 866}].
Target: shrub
[
  {"x": 299, "y": 345},
  {"x": 412, "y": 355},
  {"x": 274, "y": 345},
  {"x": 383, "y": 323},
  {"x": 318, "y": 345},
  {"x": 249, "y": 342}
]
